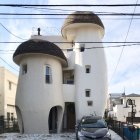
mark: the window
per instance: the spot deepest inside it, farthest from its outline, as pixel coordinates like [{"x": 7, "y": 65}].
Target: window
[
  {"x": 82, "y": 47},
  {"x": 69, "y": 50},
  {"x": 12, "y": 116},
  {"x": 87, "y": 92},
  {"x": 48, "y": 75},
  {"x": 89, "y": 103},
  {"x": 24, "y": 69},
  {"x": 8, "y": 115},
  {"x": 121, "y": 101},
  {"x": 10, "y": 85},
  {"x": 88, "y": 68}
]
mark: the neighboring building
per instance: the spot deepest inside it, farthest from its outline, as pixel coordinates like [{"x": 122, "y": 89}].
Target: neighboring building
[
  {"x": 119, "y": 110},
  {"x": 62, "y": 78},
  {"x": 114, "y": 99},
  {"x": 8, "y": 86}
]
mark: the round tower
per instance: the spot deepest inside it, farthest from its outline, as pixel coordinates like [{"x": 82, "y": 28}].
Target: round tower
[
  {"x": 86, "y": 31},
  {"x": 39, "y": 99}
]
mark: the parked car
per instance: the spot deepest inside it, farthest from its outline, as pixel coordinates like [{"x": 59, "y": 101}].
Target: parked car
[{"x": 92, "y": 128}]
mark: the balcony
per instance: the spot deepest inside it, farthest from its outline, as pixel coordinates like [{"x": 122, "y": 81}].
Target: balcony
[{"x": 68, "y": 76}]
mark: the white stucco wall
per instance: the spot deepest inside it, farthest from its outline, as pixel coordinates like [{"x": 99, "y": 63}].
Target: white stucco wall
[
  {"x": 120, "y": 113},
  {"x": 69, "y": 92},
  {"x": 34, "y": 97},
  {"x": 96, "y": 80}
]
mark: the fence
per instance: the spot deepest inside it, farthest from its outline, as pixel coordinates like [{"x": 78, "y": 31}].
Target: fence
[
  {"x": 126, "y": 131},
  {"x": 8, "y": 125}
]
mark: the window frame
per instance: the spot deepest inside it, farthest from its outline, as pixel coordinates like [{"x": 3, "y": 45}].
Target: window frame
[
  {"x": 90, "y": 103},
  {"x": 48, "y": 75},
  {"x": 87, "y": 68},
  {"x": 87, "y": 92},
  {"x": 10, "y": 85},
  {"x": 8, "y": 116}
]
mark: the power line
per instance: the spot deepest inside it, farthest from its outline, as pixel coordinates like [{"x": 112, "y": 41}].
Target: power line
[
  {"x": 124, "y": 42},
  {"x": 109, "y": 42},
  {"x": 51, "y": 18},
  {"x": 70, "y": 5},
  {"x": 56, "y": 14},
  {"x": 112, "y": 46},
  {"x": 11, "y": 32},
  {"x": 46, "y": 9},
  {"x": 36, "y": 8},
  {"x": 8, "y": 64},
  {"x": 42, "y": 9}
]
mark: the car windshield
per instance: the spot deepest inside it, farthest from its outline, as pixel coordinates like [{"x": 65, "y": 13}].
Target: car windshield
[{"x": 93, "y": 123}]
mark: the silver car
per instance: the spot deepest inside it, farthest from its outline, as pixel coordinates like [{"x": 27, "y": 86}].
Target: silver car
[{"x": 92, "y": 128}]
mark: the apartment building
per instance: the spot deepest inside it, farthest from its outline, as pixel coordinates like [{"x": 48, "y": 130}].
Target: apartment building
[{"x": 8, "y": 86}]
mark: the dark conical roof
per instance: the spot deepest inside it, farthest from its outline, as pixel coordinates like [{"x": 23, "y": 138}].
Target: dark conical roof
[
  {"x": 83, "y": 17},
  {"x": 37, "y": 46}
]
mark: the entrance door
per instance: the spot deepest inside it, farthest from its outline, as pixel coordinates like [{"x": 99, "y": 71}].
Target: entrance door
[{"x": 70, "y": 116}]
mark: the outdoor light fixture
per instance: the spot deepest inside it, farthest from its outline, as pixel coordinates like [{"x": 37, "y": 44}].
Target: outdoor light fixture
[{"x": 132, "y": 103}]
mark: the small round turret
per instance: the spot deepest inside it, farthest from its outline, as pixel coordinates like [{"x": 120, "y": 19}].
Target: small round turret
[
  {"x": 80, "y": 19},
  {"x": 38, "y": 46}
]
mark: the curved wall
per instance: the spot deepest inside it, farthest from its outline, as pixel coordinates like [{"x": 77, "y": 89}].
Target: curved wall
[
  {"x": 96, "y": 80},
  {"x": 35, "y": 97}
]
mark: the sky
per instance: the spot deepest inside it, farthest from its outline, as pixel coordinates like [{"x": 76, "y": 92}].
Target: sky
[{"x": 123, "y": 62}]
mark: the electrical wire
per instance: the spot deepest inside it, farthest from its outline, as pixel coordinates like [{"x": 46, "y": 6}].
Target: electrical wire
[
  {"x": 57, "y": 14},
  {"x": 108, "y": 42},
  {"x": 70, "y": 5},
  {"x": 8, "y": 64},
  {"x": 36, "y": 8},
  {"x": 51, "y": 18},
  {"x": 124, "y": 43},
  {"x": 112, "y": 46},
  {"x": 11, "y": 32}
]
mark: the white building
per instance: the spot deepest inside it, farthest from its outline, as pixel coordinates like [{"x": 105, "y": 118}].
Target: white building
[
  {"x": 114, "y": 99},
  {"x": 119, "y": 110},
  {"x": 62, "y": 78},
  {"x": 8, "y": 86}
]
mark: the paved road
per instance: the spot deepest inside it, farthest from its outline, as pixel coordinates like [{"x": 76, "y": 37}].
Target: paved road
[{"x": 64, "y": 136}]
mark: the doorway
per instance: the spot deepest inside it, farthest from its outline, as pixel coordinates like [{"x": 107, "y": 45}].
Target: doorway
[
  {"x": 53, "y": 120},
  {"x": 69, "y": 119}
]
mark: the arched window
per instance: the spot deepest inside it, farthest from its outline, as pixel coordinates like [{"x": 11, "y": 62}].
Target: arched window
[{"x": 48, "y": 74}]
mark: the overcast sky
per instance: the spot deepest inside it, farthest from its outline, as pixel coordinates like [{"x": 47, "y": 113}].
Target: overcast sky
[{"x": 117, "y": 29}]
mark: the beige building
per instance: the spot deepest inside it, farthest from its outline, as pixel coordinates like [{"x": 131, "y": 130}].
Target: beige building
[{"x": 8, "y": 85}]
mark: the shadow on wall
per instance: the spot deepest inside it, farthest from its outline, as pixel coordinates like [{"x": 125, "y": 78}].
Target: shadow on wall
[
  {"x": 55, "y": 119},
  {"x": 20, "y": 120}
]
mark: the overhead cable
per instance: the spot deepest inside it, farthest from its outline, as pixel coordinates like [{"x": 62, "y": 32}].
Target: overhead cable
[
  {"x": 8, "y": 64},
  {"x": 109, "y": 42},
  {"x": 11, "y": 32},
  {"x": 124, "y": 42},
  {"x": 56, "y": 14},
  {"x": 71, "y": 5},
  {"x": 95, "y": 47},
  {"x": 55, "y": 18}
]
